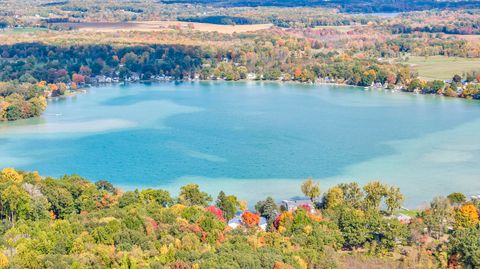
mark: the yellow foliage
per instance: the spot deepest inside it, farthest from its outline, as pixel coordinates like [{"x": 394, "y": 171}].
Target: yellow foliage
[
  {"x": 301, "y": 262},
  {"x": 10, "y": 175},
  {"x": 177, "y": 209},
  {"x": 467, "y": 216},
  {"x": 307, "y": 229},
  {"x": 243, "y": 205},
  {"x": 3, "y": 261}
]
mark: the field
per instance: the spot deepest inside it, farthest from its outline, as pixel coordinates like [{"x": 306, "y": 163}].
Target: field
[
  {"x": 23, "y": 30},
  {"x": 441, "y": 67},
  {"x": 149, "y": 26}
]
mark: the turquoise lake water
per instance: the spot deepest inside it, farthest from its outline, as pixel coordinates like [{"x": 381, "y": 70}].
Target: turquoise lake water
[{"x": 253, "y": 139}]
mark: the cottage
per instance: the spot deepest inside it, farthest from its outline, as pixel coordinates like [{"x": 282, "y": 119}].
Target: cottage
[
  {"x": 292, "y": 205},
  {"x": 405, "y": 219},
  {"x": 237, "y": 221}
]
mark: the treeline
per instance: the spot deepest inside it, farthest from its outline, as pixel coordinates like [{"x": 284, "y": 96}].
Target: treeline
[
  {"x": 71, "y": 222},
  {"x": 21, "y": 100},
  {"x": 344, "y": 5},
  {"x": 472, "y": 29},
  {"x": 287, "y": 60},
  {"x": 53, "y": 64},
  {"x": 225, "y": 20}
]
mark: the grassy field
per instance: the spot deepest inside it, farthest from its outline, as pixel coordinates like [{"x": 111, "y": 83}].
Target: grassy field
[
  {"x": 441, "y": 67},
  {"x": 152, "y": 26},
  {"x": 23, "y": 30}
]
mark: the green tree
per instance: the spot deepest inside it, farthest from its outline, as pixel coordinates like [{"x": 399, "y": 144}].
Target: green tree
[
  {"x": 191, "y": 195},
  {"x": 457, "y": 198},
  {"x": 159, "y": 197},
  {"x": 394, "y": 199},
  {"x": 267, "y": 208},
  {"x": 129, "y": 198},
  {"x": 466, "y": 244},
  {"x": 228, "y": 204},
  {"x": 104, "y": 185},
  {"x": 352, "y": 224},
  {"x": 352, "y": 194},
  {"x": 438, "y": 217},
  {"x": 374, "y": 193}
]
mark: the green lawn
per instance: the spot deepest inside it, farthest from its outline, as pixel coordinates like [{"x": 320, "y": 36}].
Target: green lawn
[
  {"x": 441, "y": 67},
  {"x": 411, "y": 213},
  {"x": 23, "y": 30}
]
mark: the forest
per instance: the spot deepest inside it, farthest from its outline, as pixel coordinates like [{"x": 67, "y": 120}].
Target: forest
[
  {"x": 71, "y": 222},
  {"x": 359, "y": 6}
]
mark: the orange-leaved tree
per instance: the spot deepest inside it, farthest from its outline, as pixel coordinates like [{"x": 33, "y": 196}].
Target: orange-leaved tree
[{"x": 250, "y": 219}]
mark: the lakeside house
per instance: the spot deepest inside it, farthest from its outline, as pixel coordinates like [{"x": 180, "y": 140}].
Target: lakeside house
[
  {"x": 237, "y": 221},
  {"x": 292, "y": 205},
  {"x": 402, "y": 218}
]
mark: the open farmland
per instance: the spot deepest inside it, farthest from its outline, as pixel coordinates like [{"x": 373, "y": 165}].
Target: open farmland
[
  {"x": 149, "y": 26},
  {"x": 442, "y": 67}
]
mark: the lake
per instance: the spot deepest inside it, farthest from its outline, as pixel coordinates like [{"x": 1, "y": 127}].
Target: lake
[{"x": 253, "y": 139}]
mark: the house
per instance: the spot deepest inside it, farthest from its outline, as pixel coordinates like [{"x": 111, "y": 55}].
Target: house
[
  {"x": 404, "y": 219},
  {"x": 292, "y": 205},
  {"x": 251, "y": 76},
  {"x": 237, "y": 221}
]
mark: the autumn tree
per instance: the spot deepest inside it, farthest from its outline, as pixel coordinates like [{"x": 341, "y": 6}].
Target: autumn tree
[
  {"x": 466, "y": 216},
  {"x": 311, "y": 189},
  {"x": 334, "y": 197},
  {"x": 374, "y": 193},
  {"x": 250, "y": 219}
]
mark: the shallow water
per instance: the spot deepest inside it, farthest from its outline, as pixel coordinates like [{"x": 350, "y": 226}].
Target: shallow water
[{"x": 253, "y": 139}]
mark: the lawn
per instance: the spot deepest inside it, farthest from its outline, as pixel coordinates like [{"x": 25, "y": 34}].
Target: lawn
[
  {"x": 441, "y": 67},
  {"x": 23, "y": 30}
]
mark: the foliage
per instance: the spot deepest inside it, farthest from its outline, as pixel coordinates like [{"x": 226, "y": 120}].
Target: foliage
[{"x": 311, "y": 189}]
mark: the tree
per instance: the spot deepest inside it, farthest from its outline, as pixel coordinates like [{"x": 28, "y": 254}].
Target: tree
[
  {"x": 438, "y": 216},
  {"x": 250, "y": 219},
  {"x": 394, "y": 199},
  {"x": 160, "y": 197},
  {"x": 9, "y": 175},
  {"x": 129, "y": 198},
  {"x": 191, "y": 195},
  {"x": 3, "y": 25},
  {"x": 466, "y": 244},
  {"x": 104, "y": 185},
  {"x": 334, "y": 197},
  {"x": 352, "y": 194},
  {"x": 216, "y": 211},
  {"x": 267, "y": 208},
  {"x": 3, "y": 261},
  {"x": 457, "y": 198},
  {"x": 15, "y": 202},
  {"x": 466, "y": 216},
  {"x": 228, "y": 204},
  {"x": 311, "y": 189},
  {"x": 352, "y": 224},
  {"x": 457, "y": 79},
  {"x": 375, "y": 191}
]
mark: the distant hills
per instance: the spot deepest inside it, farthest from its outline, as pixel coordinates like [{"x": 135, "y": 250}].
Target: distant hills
[{"x": 344, "y": 5}]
